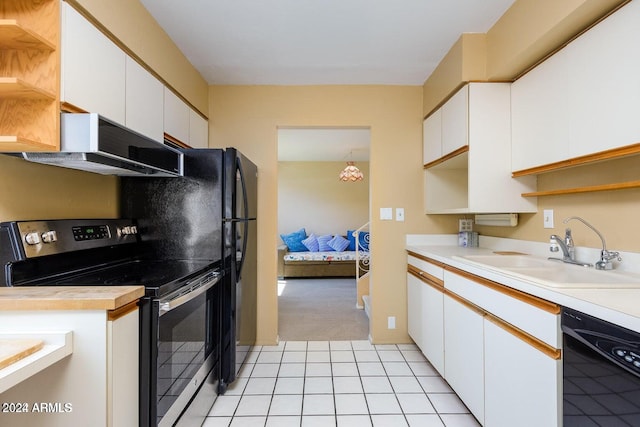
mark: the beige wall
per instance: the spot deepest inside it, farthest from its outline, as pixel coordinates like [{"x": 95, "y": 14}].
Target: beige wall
[
  {"x": 34, "y": 191},
  {"x": 248, "y": 118},
  {"x": 310, "y": 195}
]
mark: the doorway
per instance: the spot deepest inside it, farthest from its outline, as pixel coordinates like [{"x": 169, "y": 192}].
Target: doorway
[{"x": 312, "y": 197}]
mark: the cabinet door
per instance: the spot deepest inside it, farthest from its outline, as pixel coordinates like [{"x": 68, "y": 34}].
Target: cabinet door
[
  {"x": 432, "y": 137},
  {"x": 176, "y": 117},
  {"x": 122, "y": 370},
  {"x": 464, "y": 354},
  {"x": 604, "y": 84},
  {"x": 92, "y": 68},
  {"x": 144, "y": 98},
  {"x": 415, "y": 311},
  {"x": 426, "y": 320},
  {"x": 539, "y": 114},
  {"x": 522, "y": 384},
  {"x": 455, "y": 121},
  {"x": 198, "y": 130},
  {"x": 433, "y": 332}
]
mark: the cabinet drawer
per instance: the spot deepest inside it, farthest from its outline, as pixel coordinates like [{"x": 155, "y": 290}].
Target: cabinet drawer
[
  {"x": 533, "y": 315},
  {"x": 431, "y": 267}
]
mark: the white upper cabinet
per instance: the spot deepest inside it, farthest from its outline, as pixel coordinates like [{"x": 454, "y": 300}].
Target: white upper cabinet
[
  {"x": 478, "y": 180},
  {"x": 455, "y": 121},
  {"x": 447, "y": 128},
  {"x": 540, "y": 113},
  {"x": 92, "y": 68},
  {"x": 198, "y": 130},
  {"x": 176, "y": 116},
  {"x": 144, "y": 98},
  {"x": 582, "y": 100},
  {"x": 604, "y": 84},
  {"x": 183, "y": 123},
  {"x": 432, "y": 137}
]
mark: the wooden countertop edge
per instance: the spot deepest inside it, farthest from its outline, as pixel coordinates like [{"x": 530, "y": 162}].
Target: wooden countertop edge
[{"x": 69, "y": 297}]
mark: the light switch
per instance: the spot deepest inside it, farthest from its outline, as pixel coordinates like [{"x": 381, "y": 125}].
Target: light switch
[
  {"x": 386, "y": 214},
  {"x": 399, "y": 214}
]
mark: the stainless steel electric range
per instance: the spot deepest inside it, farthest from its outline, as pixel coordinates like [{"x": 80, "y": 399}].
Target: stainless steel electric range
[{"x": 179, "y": 314}]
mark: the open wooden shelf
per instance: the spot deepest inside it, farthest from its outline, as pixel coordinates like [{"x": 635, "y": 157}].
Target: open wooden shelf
[
  {"x": 588, "y": 189},
  {"x": 30, "y": 70},
  {"x": 13, "y": 87},
  {"x": 15, "y": 143},
  {"x": 13, "y": 35}
]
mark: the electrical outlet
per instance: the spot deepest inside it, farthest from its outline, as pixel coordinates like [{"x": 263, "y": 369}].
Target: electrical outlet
[
  {"x": 391, "y": 322},
  {"x": 548, "y": 218},
  {"x": 465, "y": 225}
]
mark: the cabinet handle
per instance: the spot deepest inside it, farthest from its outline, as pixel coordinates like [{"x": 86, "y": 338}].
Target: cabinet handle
[
  {"x": 540, "y": 303},
  {"x": 426, "y": 277},
  {"x": 534, "y": 342}
]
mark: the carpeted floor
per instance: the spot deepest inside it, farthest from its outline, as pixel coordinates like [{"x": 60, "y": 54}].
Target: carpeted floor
[{"x": 320, "y": 309}]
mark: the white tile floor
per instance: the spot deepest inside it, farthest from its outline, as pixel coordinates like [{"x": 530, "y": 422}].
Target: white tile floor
[{"x": 338, "y": 383}]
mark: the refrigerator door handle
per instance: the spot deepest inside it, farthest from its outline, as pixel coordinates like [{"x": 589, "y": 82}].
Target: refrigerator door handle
[{"x": 245, "y": 211}]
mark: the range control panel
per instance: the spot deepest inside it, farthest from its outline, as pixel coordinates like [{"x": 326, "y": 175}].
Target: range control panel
[{"x": 40, "y": 238}]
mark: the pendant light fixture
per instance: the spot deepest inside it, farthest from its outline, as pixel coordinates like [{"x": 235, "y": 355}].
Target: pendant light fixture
[{"x": 351, "y": 173}]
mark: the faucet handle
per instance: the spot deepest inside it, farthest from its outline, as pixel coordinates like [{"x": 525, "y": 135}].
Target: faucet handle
[
  {"x": 605, "y": 259},
  {"x": 553, "y": 242}
]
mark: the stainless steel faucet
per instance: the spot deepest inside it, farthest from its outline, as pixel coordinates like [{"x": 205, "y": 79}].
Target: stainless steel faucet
[
  {"x": 568, "y": 249},
  {"x": 606, "y": 257}
]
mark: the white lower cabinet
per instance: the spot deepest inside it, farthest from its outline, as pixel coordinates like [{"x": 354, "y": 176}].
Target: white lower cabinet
[
  {"x": 497, "y": 347},
  {"x": 522, "y": 386},
  {"x": 426, "y": 320},
  {"x": 122, "y": 374},
  {"x": 416, "y": 309},
  {"x": 464, "y": 354},
  {"x": 97, "y": 385}
]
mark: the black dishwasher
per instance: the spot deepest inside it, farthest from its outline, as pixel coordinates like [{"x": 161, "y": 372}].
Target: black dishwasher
[{"x": 601, "y": 379}]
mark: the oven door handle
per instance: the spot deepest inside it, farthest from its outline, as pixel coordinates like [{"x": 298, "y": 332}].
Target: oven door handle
[{"x": 172, "y": 303}]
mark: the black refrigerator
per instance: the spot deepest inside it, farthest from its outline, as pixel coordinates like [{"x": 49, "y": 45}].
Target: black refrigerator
[
  {"x": 239, "y": 292},
  {"x": 207, "y": 214}
]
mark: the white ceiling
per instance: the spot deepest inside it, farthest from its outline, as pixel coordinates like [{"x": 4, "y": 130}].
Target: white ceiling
[
  {"x": 323, "y": 144},
  {"x": 302, "y": 42}
]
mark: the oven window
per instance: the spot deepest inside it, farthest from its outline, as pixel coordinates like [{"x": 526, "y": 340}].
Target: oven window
[{"x": 185, "y": 340}]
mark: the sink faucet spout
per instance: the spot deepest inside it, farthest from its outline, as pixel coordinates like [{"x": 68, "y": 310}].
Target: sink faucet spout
[{"x": 606, "y": 257}]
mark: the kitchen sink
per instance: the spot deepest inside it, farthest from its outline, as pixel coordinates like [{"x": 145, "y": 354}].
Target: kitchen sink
[
  {"x": 509, "y": 261},
  {"x": 554, "y": 274}
]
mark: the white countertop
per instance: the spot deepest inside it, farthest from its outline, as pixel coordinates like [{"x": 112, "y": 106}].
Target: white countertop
[{"x": 619, "y": 306}]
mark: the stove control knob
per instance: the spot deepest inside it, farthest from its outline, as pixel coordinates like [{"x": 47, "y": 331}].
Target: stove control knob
[
  {"x": 49, "y": 236},
  {"x": 127, "y": 230},
  {"x": 32, "y": 238}
]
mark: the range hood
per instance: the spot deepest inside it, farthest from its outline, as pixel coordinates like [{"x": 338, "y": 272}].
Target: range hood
[{"x": 93, "y": 143}]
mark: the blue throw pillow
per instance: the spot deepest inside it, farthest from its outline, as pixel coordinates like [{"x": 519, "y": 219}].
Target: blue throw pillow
[
  {"x": 294, "y": 240},
  {"x": 323, "y": 243},
  {"x": 311, "y": 243},
  {"x": 339, "y": 243},
  {"x": 352, "y": 240}
]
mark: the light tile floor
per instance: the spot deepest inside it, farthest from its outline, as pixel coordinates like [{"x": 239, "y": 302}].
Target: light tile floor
[{"x": 338, "y": 383}]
